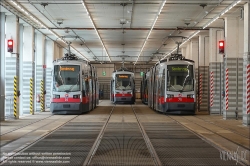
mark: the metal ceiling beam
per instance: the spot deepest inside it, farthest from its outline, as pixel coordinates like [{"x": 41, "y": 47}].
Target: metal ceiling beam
[
  {"x": 160, "y": 29},
  {"x": 117, "y": 3}
]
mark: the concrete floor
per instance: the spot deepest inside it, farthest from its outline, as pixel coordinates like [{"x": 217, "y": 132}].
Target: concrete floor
[{"x": 228, "y": 135}]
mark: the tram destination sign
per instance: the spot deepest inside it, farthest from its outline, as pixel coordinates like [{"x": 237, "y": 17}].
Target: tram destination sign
[
  {"x": 122, "y": 76},
  {"x": 179, "y": 69},
  {"x": 68, "y": 68}
]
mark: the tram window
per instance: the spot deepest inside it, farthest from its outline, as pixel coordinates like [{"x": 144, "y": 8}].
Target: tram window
[
  {"x": 66, "y": 78},
  {"x": 179, "y": 78},
  {"x": 123, "y": 81}
]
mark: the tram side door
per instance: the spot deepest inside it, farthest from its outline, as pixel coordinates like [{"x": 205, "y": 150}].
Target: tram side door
[
  {"x": 87, "y": 93},
  {"x": 132, "y": 82},
  {"x": 111, "y": 90},
  {"x": 90, "y": 95}
]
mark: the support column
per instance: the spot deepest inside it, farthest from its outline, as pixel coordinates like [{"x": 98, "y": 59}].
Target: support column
[
  {"x": 246, "y": 66},
  {"x": 194, "y": 51},
  {"x": 49, "y": 58},
  {"x": 187, "y": 50},
  {"x": 233, "y": 67},
  {"x": 2, "y": 68},
  {"x": 216, "y": 71},
  {"x": 56, "y": 51},
  {"x": 21, "y": 103},
  {"x": 28, "y": 70},
  {"x": 203, "y": 75},
  {"x": 12, "y": 67},
  {"x": 40, "y": 70}
]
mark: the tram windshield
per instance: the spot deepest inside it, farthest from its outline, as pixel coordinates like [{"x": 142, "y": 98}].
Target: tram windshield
[
  {"x": 123, "y": 82},
  {"x": 66, "y": 78},
  {"x": 180, "y": 78}
]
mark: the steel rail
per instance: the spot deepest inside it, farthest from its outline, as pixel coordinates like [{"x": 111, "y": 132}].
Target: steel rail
[
  {"x": 147, "y": 140},
  {"x": 97, "y": 141}
]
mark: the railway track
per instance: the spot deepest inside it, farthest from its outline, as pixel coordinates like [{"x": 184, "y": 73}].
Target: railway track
[
  {"x": 118, "y": 135},
  {"x": 123, "y": 149}
]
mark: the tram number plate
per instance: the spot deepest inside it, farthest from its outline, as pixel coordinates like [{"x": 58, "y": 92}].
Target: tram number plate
[
  {"x": 181, "y": 105},
  {"x": 66, "y": 106},
  {"x": 123, "y": 98}
]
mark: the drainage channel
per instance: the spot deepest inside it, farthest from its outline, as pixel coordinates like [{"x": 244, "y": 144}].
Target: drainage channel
[{"x": 122, "y": 142}]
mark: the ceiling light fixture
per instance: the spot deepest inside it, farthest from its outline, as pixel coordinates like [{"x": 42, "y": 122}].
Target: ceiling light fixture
[
  {"x": 44, "y": 26},
  {"x": 156, "y": 18},
  {"x": 210, "y": 22},
  {"x": 222, "y": 13},
  {"x": 90, "y": 18}
]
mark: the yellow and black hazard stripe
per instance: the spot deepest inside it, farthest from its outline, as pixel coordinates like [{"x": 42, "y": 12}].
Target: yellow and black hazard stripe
[
  {"x": 31, "y": 96},
  {"x": 15, "y": 96},
  {"x": 42, "y": 96}
]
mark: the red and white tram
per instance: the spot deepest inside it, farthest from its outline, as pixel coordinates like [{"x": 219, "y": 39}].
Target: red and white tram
[
  {"x": 74, "y": 86},
  {"x": 122, "y": 86},
  {"x": 171, "y": 86}
]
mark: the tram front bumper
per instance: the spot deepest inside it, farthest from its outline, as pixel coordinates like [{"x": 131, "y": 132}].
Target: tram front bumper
[
  {"x": 123, "y": 99},
  {"x": 179, "y": 108},
  {"x": 66, "y": 108}
]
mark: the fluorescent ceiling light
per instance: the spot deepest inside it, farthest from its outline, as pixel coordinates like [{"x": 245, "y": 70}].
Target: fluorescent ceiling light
[
  {"x": 156, "y": 18},
  {"x": 210, "y": 22},
  {"x": 222, "y": 13},
  {"x": 90, "y": 18},
  {"x": 44, "y": 26}
]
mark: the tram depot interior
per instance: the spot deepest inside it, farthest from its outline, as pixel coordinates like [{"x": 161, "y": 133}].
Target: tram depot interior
[{"x": 136, "y": 35}]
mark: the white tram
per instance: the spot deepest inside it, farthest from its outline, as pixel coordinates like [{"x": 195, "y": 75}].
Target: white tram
[
  {"x": 171, "y": 86},
  {"x": 74, "y": 86},
  {"x": 122, "y": 86}
]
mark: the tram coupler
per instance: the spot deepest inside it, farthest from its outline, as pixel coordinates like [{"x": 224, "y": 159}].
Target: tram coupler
[{"x": 236, "y": 115}]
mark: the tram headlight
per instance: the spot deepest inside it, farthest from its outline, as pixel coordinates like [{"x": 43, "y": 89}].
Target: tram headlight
[
  {"x": 170, "y": 96},
  {"x": 56, "y": 96},
  {"x": 76, "y": 96},
  {"x": 190, "y": 96}
]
